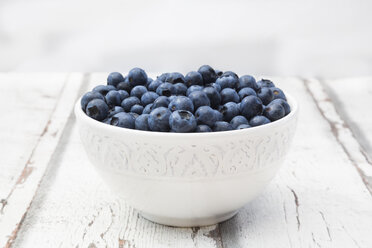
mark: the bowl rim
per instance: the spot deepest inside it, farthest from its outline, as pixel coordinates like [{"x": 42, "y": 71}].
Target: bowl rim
[{"x": 252, "y": 130}]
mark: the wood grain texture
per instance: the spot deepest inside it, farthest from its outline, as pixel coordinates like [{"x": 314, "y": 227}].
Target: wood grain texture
[{"x": 53, "y": 119}]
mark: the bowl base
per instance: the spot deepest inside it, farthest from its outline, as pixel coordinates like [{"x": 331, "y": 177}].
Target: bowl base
[{"x": 195, "y": 222}]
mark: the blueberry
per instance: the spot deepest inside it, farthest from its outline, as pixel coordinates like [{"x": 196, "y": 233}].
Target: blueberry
[
  {"x": 258, "y": 121},
  {"x": 182, "y": 121},
  {"x": 159, "y": 119},
  {"x": 107, "y": 120},
  {"x": 181, "y": 103},
  {"x": 114, "y": 78},
  {"x": 148, "y": 97},
  {"x": 123, "y": 94},
  {"x": 89, "y": 96},
  {"x": 229, "y": 95},
  {"x": 154, "y": 85},
  {"x": 113, "y": 98},
  {"x": 161, "y": 101},
  {"x": 287, "y": 108},
  {"x": 193, "y": 78},
  {"x": 165, "y": 89},
  {"x": 206, "y": 115},
  {"x": 265, "y": 83},
  {"x": 180, "y": 89},
  {"x": 230, "y": 74},
  {"x": 123, "y": 120},
  {"x": 199, "y": 98},
  {"x": 147, "y": 109},
  {"x": 246, "y": 92},
  {"x": 137, "y": 76},
  {"x": 278, "y": 93},
  {"x": 208, "y": 74},
  {"x": 125, "y": 85},
  {"x": 149, "y": 81},
  {"x": 227, "y": 82},
  {"x": 238, "y": 120},
  {"x": 175, "y": 77},
  {"x": 218, "y": 73},
  {"x": 202, "y": 129},
  {"x": 103, "y": 89},
  {"x": 138, "y": 109},
  {"x": 274, "y": 111},
  {"x": 172, "y": 97},
  {"x": 216, "y": 86},
  {"x": 134, "y": 115},
  {"x": 97, "y": 109},
  {"x": 222, "y": 126},
  {"x": 127, "y": 103},
  {"x": 213, "y": 95},
  {"x": 113, "y": 111},
  {"x": 247, "y": 81},
  {"x": 242, "y": 126},
  {"x": 138, "y": 91},
  {"x": 163, "y": 77},
  {"x": 218, "y": 114},
  {"x": 141, "y": 122},
  {"x": 193, "y": 88},
  {"x": 266, "y": 95},
  {"x": 251, "y": 106},
  {"x": 229, "y": 110}
]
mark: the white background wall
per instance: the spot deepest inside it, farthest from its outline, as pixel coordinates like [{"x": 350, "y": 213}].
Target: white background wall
[{"x": 307, "y": 38}]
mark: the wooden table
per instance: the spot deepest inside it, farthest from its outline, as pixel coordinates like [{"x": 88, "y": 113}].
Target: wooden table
[{"x": 52, "y": 197}]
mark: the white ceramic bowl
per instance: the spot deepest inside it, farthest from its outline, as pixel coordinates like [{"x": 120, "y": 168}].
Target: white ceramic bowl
[{"x": 187, "y": 179}]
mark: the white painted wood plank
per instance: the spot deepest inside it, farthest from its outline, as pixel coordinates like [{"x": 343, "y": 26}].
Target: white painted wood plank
[
  {"x": 73, "y": 208},
  {"x": 317, "y": 200},
  {"x": 17, "y": 202}
]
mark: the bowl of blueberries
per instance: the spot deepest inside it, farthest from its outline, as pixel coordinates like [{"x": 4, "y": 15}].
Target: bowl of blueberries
[{"x": 186, "y": 150}]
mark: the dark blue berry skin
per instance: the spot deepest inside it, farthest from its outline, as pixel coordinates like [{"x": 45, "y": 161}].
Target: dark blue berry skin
[
  {"x": 89, "y": 96},
  {"x": 251, "y": 106},
  {"x": 123, "y": 94},
  {"x": 216, "y": 86},
  {"x": 182, "y": 121},
  {"x": 238, "y": 120},
  {"x": 161, "y": 101},
  {"x": 193, "y": 78},
  {"x": 134, "y": 115},
  {"x": 113, "y": 111},
  {"x": 218, "y": 114},
  {"x": 199, "y": 98},
  {"x": 229, "y": 95},
  {"x": 114, "y": 78},
  {"x": 138, "y": 109},
  {"x": 97, "y": 109},
  {"x": 103, "y": 89},
  {"x": 287, "y": 108},
  {"x": 266, "y": 95},
  {"x": 208, "y": 74},
  {"x": 180, "y": 89},
  {"x": 222, "y": 126},
  {"x": 181, "y": 103},
  {"x": 246, "y": 92},
  {"x": 193, "y": 88},
  {"x": 274, "y": 111},
  {"x": 165, "y": 89},
  {"x": 113, "y": 98},
  {"x": 124, "y": 86},
  {"x": 147, "y": 109},
  {"x": 149, "y": 80},
  {"x": 141, "y": 122},
  {"x": 148, "y": 97},
  {"x": 265, "y": 83},
  {"x": 202, "y": 129},
  {"x": 278, "y": 93},
  {"x": 123, "y": 120},
  {"x": 242, "y": 126},
  {"x": 258, "y": 121},
  {"x": 229, "y": 110},
  {"x": 138, "y": 91},
  {"x": 247, "y": 81},
  {"x": 227, "y": 82},
  {"x": 213, "y": 95},
  {"x": 206, "y": 115},
  {"x": 154, "y": 85},
  {"x": 231, "y": 74},
  {"x": 218, "y": 73},
  {"x": 137, "y": 76},
  {"x": 107, "y": 120},
  {"x": 159, "y": 119},
  {"x": 127, "y": 103},
  {"x": 171, "y": 98},
  {"x": 175, "y": 77},
  {"x": 163, "y": 77}
]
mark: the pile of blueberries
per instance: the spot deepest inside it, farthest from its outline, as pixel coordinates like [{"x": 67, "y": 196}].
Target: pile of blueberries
[{"x": 202, "y": 101}]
